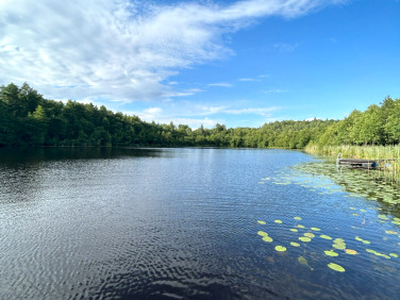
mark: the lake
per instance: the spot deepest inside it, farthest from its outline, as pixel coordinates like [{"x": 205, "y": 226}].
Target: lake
[{"x": 193, "y": 223}]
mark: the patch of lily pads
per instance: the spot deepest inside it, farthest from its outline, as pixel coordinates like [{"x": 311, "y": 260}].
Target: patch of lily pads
[{"x": 336, "y": 248}]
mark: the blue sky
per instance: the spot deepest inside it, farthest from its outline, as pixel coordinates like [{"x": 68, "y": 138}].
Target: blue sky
[{"x": 238, "y": 63}]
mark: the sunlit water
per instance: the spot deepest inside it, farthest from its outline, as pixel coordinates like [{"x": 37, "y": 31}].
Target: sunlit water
[{"x": 184, "y": 224}]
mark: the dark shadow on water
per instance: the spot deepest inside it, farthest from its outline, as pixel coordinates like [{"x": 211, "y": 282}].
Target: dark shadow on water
[{"x": 34, "y": 155}]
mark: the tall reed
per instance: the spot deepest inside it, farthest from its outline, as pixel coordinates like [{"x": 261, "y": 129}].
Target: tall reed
[{"x": 390, "y": 169}]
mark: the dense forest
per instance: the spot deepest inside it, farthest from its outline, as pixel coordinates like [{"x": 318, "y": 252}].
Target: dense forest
[{"x": 27, "y": 119}]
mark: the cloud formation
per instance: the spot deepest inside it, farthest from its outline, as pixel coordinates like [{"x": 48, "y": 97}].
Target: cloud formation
[{"x": 121, "y": 50}]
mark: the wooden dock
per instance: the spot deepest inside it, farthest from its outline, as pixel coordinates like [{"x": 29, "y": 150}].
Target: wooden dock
[{"x": 362, "y": 163}]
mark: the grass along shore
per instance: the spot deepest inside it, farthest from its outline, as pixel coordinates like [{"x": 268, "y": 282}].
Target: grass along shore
[{"x": 391, "y": 171}]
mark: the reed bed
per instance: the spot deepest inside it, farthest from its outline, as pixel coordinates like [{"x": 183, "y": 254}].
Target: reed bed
[{"x": 390, "y": 170}]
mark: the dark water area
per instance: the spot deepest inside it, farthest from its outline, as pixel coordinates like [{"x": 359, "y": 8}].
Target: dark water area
[{"x": 193, "y": 223}]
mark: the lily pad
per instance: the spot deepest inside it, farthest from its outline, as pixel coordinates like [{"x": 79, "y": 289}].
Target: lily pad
[
  {"x": 309, "y": 234},
  {"x": 267, "y": 239},
  {"x": 293, "y": 230},
  {"x": 294, "y": 244},
  {"x": 304, "y": 239},
  {"x": 336, "y": 267},
  {"x": 383, "y": 217},
  {"x": 304, "y": 261},
  {"x": 393, "y": 255},
  {"x": 338, "y": 241},
  {"x": 298, "y": 218},
  {"x": 315, "y": 228},
  {"x": 350, "y": 251},
  {"x": 326, "y": 237},
  {"x": 278, "y": 221},
  {"x": 331, "y": 253},
  {"x": 262, "y": 233},
  {"x": 262, "y": 222},
  {"x": 390, "y": 232},
  {"x": 300, "y": 226},
  {"x": 280, "y": 248},
  {"x": 339, "y": 246}
]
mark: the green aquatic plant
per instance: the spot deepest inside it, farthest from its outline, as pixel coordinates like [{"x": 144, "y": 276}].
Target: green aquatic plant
[
  {"x": 331, "y": 253},
  {"x": 294, "y": 244},
  {"x": 339, "y": 246},
  {"x": 300, "y": 226},
  {"x": 315, "y": 229},
  {"x": 278, "y": 221},
  {"x": 304, "y": 239},
  {"x": 304, "y": 261},
  {"x": 326, "y": 237},
  {"x": 262, "y": 222},
  {"x": 336, "y": 267},
  {"x": 350, "y": 251},
  {"x": 293, "y": 230},
  {"x": 280, "y": 248},
  {"x": 267, "y": 239},
  {"x": 262, "y": 233},
  {"x": 309, "y": 234},
  {"x": 297, "y": 218}
]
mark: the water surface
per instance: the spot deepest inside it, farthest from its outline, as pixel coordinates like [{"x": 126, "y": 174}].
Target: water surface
[{"x": 187, "y": 223}]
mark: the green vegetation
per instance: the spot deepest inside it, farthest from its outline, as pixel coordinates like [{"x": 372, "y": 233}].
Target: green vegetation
[{"x": 26, "y": 118}]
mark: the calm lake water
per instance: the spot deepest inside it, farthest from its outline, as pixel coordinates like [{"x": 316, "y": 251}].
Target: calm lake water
[{"x": 193, "y": 224}]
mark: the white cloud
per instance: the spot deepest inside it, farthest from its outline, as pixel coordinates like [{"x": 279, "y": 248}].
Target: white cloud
[
  {"x": 275, "y": 91},
  {"x": 121, "y": 50},
  {"x": 285, "y": 47},
  {"x": 221, "y": 84},
  {"x": 247, "y": 79}
]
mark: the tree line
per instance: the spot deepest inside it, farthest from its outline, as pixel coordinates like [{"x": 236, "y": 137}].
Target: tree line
[{"x": 27, "y": 119}]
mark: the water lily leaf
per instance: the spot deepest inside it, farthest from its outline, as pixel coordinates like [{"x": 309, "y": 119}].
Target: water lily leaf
[
  {"x": 352, "y": 208},
  {"x": 393, "y": 255},
  {"x": 267, "y": 239},
  {"x": 366, "y": 242},
  {"x": 326, "y": 237},
  {"x": 356, "y": 215},
  {"x": 363, "y": 210},
  {"x": 304, "y": 261},
  {"x": 331, "y": 253},
  {"x": 309, "y": 234},
  {"x": 315, "y": 228},
  {"x": 304, "y": 239},
  {"x": 278, "y": 221},
  {"x": 300, "y": 226},
  {"x": 339, "y": 246},
  {"x": 390, "y": 232},
  {"x": 338, "y": 241},
  {"x": 293, "y": 230},
  {"x": 262, "y": 222},
  {"x": 350, "y": 251},
  {"x": 294, "y": 244},
  {"x": 358, "y": 238},
  {"x": 280, "y": 248},
  {"x": 298, "y": 218},
  {"x": 262, "y": 233},
  {"x": 383, "y": 217},
  {"x": 336, "y": 267}
]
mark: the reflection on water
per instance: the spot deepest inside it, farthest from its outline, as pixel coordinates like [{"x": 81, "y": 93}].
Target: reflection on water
[{"x": 192, "y": 223}]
